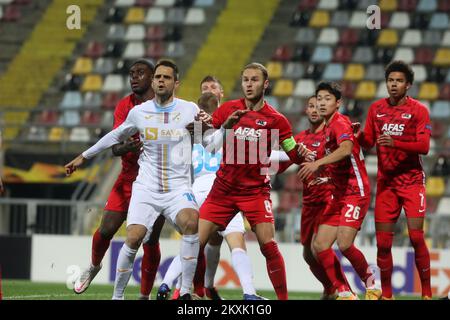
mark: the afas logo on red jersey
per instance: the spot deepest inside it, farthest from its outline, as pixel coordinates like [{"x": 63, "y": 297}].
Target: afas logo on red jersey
[
  {"x": 393, "y": 129},
  {"x": 244, "y": 133}
]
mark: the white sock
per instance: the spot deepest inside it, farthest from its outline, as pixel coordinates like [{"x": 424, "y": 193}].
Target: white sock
[
  {"x": 189, "y": 256},
  {"x": 173, "y": 272},
  {"x": 178, "y": 284},
  {"x": 124, "y": 269},
  {"x": 212, "y": 256},
  {"x": 243, "y": 267}
]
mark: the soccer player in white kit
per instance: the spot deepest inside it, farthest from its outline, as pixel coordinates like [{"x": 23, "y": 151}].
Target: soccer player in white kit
[{"x": 163, "y": 185}]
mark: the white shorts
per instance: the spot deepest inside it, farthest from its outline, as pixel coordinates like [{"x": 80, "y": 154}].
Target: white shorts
[
  {"x": 146, "y": 206},
  {"x": 201, "y": 188}
]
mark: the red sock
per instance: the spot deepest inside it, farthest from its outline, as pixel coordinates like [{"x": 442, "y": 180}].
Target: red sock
[
  {"x": 384, "y": 261},
  {"x": 327, "y": 258},
  {"x": 319, "y": 272},
  {"x": 422, "y": 260},
  {"x": 149, "y": 267},
  {"x": 99, "y": 246},
  {"x": 276, "y": 269},
  {"x": 199, "y": 277},
  {"x": 359, "y": 263}
]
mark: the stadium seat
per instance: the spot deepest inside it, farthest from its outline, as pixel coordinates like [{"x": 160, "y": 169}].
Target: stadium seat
[
  {"x": 435, "y": 186},
  {"x": 175, "y": 15},
  {"x": 432, "y": 37},
  {"x": 446, "y": 39},
  {"x": 83, "y": 65},
  {"x": 333, "y": 72},
  {"x": 36, "y": 133},
  {"x": 340, "y": 19},
  {"x": 94, "y": 49},
  {"x": 103, "y": 66},
  {"x": 348, "y": 89},
  {"x": 134, "y": 50},
  {"x": 427, "y": 5},
  {"x": 445, "y": 91},
  {"x": 107, "y": 119},
  {"x": 307, "y": 5},
  {"x": 79, "y": 134},
  {"x": 388, "y": 38},
  {"x": 282, "y": 53},
  {"x": 405, "y": 54},
  {"x": 439, "y": 20},
  {"x": 195, "y": 16},
  {"x": 411, "y": 38},
  {"x": 407, "y": 5},
  {"x": 11, "y": 13},
  {"x": 322, "y": 54},
  {"x": 388, "y": 5},
  {"x": 124, "y": 3},
  {"x": 203, "y": 3},
  {"x": 399, "y": 20},
  {"x": 438, "y": 129},
  {"x": 164, "y": 3},
  {"x": 71, "y": 100},
  {"x": 382, "y": 90},
  {"x": 292, "y": 105},
  {"x": 155, "y": 15},
  {"x": 175, "y": 49},
  {"x": 354, "y": 72},
  {"x": 314, "y": 71},
  {"x": 135, "y": 32},
  {"x": 155, "y": 50},
  {"x": 420, "y": 72},
  {"x": 328, "y": 36},
  {"x": 319, "y": 19},
  {"x": 90, "y": 118},
  {"x": 375, "y": 72},
  {"x": 283, "y": 88},
  {"x": 1, "y": 13},
  {"x": 366, "y": 90},
  {"x": 92, "y": 82},
  {"x": 275, "y": 69},
  {"x": 362, "y": 5},
  {"x": 328, "y": 4},
  {"x": 110, "y": 100},
  {"x": 306, "y": 36},
  {"x": 363, "y": 55},
  {"x": 358, "y": 19},
  {"x": 155, "y": 33},
  {"x": 69, "y": 118},
  {"x": 424, "y": 55},
  {"x": 113, "y": 82},
  {"x": 293, "y": 70},
  {"x": 371, "y": 163},
  {"x": 116, "y": 32},
  {"x": 440, "y": 110},
  {"x": 348, "y": 37},
  {"x": 48, "y": 117},
  {"x": 442, "y": 57},
  {"x": 343, "y": 54},
  {"x": 145, "y": 3},
  {"x": 444, "y": 6},
  {"x": 304, "y": 88},
  {"x": 135, "y": 15},
  {"x": 428, "y": 91},
  {"x": 92, "y": 100},
  {"x": 273, "y": 101}
]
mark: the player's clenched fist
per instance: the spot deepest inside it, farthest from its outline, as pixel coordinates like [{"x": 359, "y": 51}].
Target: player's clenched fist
[{"x": 74, "y": 164}]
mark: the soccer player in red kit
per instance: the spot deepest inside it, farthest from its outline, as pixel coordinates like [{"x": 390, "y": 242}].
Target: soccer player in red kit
[
  {"x": 400, "y": 127},
  {"x": 316, "y": 195},
  {"x": 116, "y": 208},
  {"x": 351, "y": 195},
  {"x": 242, "y": 182}
]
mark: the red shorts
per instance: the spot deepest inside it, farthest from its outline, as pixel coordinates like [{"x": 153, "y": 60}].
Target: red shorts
[
  {"x": 120, "y": 195},
  {"x": 347, "y": 211},
  {"x": 311, "y": 215},
  {"x": 390, "y": 200},
  {"x": 220, "y": 206}
]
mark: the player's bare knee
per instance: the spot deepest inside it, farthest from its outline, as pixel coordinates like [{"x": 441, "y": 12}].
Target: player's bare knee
[
  {"x": 190, "y": 226},
  {"x": 343, "y": 244},
  {"x": 319, "y": 245}
]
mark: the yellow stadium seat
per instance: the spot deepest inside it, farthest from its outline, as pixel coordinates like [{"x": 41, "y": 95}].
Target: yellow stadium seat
[
  {"x": 135, "y": 15},
  {"x": 442, "y": 57},
  {"x": 366, "y": 90},
  {"x": 92, "y": 82},
  {"x": 275, "y": 69},
  {"x": 320, "y": 19},
  {"x": 83, "y": 65},
  {"x": 283, "y": 88},
  {"x": 435, "y": 186},
  {"x": 354, "y": 72},
  {"x": 428, "y": 91},
  {"x": 388, "y": 38},
  {"x": 56, "y": 134},
  {"x": 388, "y": 5}
]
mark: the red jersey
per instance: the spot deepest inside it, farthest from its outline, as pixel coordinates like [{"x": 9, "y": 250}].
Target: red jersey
[
  {"x": 409, "y": 122},
  {"x": 316, "y": 143},
  {"x": 248, "y": 145},
  {"x": 349, "y": 176},
  {"x": 130, "y": 166}
]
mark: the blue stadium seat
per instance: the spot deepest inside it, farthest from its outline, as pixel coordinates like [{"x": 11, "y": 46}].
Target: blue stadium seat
[
  {"x": 69, "y": 118},
  {"x": 328, "y": 36},
  {"x": 375, "y": 72},
  {"x": 340, "y": 19},
  {"x": 124, "y": 3},
  {"x": 155, "y": 15},
  {"x": 432, "y": 38},
  {"x": 427, "y": 5},
  {"x": 104, "y": 65},
  {"x": 440, "y": 110},
  {"x": 116, "y": 32},
  {"x": 322, "y": 54},
  {"x": 363, "y": 55},
  {"x": 306, "y": 36},
  {"x": 439, "y": 20},
  {"x": 293, "y": 70},
  {"x": 71, "y": 100},
  {"x": 334, "y": 72},
  {"x": 203, "y": 3},
  {"x": 399, "y": 20}
]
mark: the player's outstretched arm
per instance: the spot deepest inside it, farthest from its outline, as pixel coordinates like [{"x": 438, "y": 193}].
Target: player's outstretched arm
[
  {"x": 72, "y": 166},
  {"x": 130, "y": 145}
]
